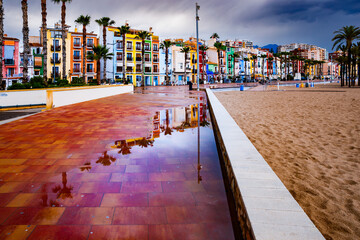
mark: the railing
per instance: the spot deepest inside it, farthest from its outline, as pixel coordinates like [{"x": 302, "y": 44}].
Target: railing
[
  {"x": 56, "y": 74},
  {"x": 147, "y": 59},
  {"x": 138, "y": 59},
  {"x": 138, "y": 48},
  {"x": 9, "y": 61},
  {"x": 77, "y": 57},
  {"x": 155, "y": 50},
  {"x": 118, "y": 58},
  {"x": 89, "y": 70},
  {"x": 55, "y": 60},
  {"x": 147, "y": 48},
  {"x": 90, "y": 45},
  {"x": 118, "y": 46},
  {"x": 77, "y": 45},
  {"x": 156, "y": 60},
  {"x": 57, "y": 48},
  {"x": 129, "y": 59},
  {"x": 76, "y": 70},
  {"x": 138, "y": 70},
  {"x": 129, "y": 48}
]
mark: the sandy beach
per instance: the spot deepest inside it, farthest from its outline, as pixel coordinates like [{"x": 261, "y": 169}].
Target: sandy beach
[{"x": 311, "y": 139}]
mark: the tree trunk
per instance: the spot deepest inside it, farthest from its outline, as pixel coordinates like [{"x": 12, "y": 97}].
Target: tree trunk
[
  {"x": 167, "y": 82},
  {"x": 143, "y": 62},
  {"x": 1, "y": 42},
  {"x": 358, "y": 72},
  {"x": 124, "y": 67},
  {"x": 63, "y": 37},
  {"x": 98, "y": 72},
  {"x": 349, "y": 65},
  {"x": 25, "y": 31},
  {"x": 104, "y": 42},
  {"x": 84, "y": 53},
  {"x": 44, "y": 40}
]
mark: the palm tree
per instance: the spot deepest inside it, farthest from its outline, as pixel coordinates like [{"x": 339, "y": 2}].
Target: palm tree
[
  {"x": 124, "y": 29},
  {"x": 233, "y": 58},
  {"x": 219, "y": 47},
  {"x": 346, "y": 35},
  {"x": 203, "y": 49},
  {"x": 63, "y": 33},
  {"x": 166, "y": 44},
  {"x": 214, "y": 35},
  {"x": 104, "y": 22},
  {"x": 356, "y": 49},
  {"x": 254, "y": 58},
  {"x": 246, "y": 60},
  {"x": 276, "y": 56},
  {"x": 25, "y": 30},
  {"x": 44, "y": 40},
  {"x": 99, "y": 53},
  {"x": 84, "y": 20},
  {"x": 185, "y": 50},
  {"x": 1, "y": 40},
  {"x": 143, "y": 35}
]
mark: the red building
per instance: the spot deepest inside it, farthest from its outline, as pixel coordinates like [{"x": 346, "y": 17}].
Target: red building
[{"x": 11, "y": 61}]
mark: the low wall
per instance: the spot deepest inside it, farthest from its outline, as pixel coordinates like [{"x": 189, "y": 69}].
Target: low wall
[
  {"x": 264, "y": 207},
  {"x": 62, "y": 97},
  {"x": 19, "y": 98}
]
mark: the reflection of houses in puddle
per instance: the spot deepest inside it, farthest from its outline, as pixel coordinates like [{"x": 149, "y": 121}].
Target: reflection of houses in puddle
[{"x": 62, "y": 192}]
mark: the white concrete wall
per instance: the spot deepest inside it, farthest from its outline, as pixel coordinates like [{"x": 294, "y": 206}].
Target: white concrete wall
[
  {"x": 71, "y": 96},
  {"x": 22, "y": 98}
]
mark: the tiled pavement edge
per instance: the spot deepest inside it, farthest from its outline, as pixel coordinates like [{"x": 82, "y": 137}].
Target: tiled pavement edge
[{"x": 265, "y": 208}]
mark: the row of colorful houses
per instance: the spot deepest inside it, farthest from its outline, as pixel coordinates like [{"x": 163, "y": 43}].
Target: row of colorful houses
[{"x": 213, "y": 65}]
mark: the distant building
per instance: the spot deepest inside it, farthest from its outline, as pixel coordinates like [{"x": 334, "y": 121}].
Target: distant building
[{"x": 11, "y": 62}]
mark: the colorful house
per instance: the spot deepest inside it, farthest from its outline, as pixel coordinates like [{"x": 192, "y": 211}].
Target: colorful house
[
  {"x": 132, "y": 54},
  {"x": 11, "y": 62},
  {"x": 76, "y": 56}
]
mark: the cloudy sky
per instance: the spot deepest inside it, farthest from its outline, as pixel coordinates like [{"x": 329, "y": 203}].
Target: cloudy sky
[{"x": 262, "y": 21}]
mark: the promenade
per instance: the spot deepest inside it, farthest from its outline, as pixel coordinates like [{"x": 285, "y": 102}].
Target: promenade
[{"x": 121, "y": 167}]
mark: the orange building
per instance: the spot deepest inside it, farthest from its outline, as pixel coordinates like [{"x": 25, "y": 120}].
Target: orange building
[{"x": 76, "y": 56}]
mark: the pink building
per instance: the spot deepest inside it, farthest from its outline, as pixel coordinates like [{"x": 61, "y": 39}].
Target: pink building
[{"x": 11, "y": 62}]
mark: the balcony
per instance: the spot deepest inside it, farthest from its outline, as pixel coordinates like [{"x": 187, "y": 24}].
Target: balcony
[
  {"x": 9, "y": 62},
  {"x": 155, "y": 50},
  {"x": 58, "y": 60},
  {"x": 57, "y": 48},
  {"x": 129, "y": 48},
  {"x": 119, "y": 46},
  {"x": 129, "y": 59},
  {"x": 147, "y": 59},
  {"x": 156, "y": 60},
  {"x": 76, "y": 70},
  {"x": 77, "y": 45},
  {"x": 147, "y": 70},
  {"x": 90, "y": 45},
  {"x": 129, "y": 70},
  {"x": 194, "y": 61},
  {"x": 138, "y": 48},
  {"x": 156, "y": 71},
  {"x": 118, "y": 58},
  {"x": 147, "y": 48},
  {"x": 138, "y": 70},
  {"x": 90, "y": 70},
  {"x": 138, "y": 59},
  {"x": 77, "y": 58}
]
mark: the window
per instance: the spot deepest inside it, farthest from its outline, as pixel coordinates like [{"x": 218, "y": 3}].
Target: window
[
  {"x": 155, "y": 46},
  {"x": 138, "y": 78},
  {"x": 147, "y": 47},
  {"x": 155, "y": 68},
  {"x": 138, "y": 57},
  {"x": 181, "y": 66},
  {"x": 90, "y": 67},
  {"x": 77, "y": 42},
  {"x": 87, "y": 55},
  {"x": 129, "y": 57},
  {"x": 147, "y": 57},
  {"x": 138, "y": 46},
  {"x": 119, "y": 45},
  {"x": 76, "y": 55},
  {"x": 138, "y": 68},
  {"x": 129, "y": 69},
  {"x": 76, "y": 68},
  {"x": 129, "y": 78},
  {"x": 148, "y": 69},
  {"x": 90, "y": 42},
  {"x": 156, "y": 58},
  {"x": 119, "y": 56},
  {"x": 129, "y": 45},
  {"x": 119, "y": 69}
]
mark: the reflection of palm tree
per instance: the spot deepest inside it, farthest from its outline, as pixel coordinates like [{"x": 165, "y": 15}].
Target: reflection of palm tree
[
  {"x": 145, "y": 142},
  {"x": 106, "y": 160},
  {"x": 204, "y": 123},
  {"x": 124, "y": 148},
  {"x": 64, "y": 191},
  {"x": 87, "y": 167},
  {"x": 168, "y": 130}
]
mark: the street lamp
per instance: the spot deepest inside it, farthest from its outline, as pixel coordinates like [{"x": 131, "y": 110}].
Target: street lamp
[{"x": 197, "y": 44}]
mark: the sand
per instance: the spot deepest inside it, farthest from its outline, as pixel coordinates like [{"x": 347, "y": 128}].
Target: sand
[{"x": 311, "y": 139}]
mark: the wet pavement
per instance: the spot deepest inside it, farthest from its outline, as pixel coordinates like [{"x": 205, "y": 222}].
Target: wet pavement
[{"x": 122, "y": 167}]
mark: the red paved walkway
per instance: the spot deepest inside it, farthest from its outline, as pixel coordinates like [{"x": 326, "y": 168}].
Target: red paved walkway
[{"x": 109, "y": 169}]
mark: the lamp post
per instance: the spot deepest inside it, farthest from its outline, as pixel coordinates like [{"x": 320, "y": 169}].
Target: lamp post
[{"x": 197, "y": 44}]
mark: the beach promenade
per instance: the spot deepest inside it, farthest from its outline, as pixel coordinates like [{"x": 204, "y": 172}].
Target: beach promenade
[{"x": 121, "y": 167}]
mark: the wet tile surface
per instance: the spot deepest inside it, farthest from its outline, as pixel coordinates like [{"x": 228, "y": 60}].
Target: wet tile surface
[{"x": 122, "y": 167}]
